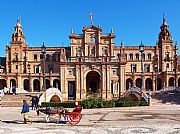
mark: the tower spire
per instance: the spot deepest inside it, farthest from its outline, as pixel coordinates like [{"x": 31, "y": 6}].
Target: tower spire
[{"x": 164, "y": 19}]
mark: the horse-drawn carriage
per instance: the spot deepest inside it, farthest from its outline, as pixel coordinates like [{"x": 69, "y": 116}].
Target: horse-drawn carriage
[{"x": 73, "y": 117}]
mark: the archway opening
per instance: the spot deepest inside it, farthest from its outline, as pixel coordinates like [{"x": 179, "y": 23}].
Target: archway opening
[
  {"x": 139, "y": 82},
  {"x": 171, "y": 81},
  {"x": 36, "y": 85},
  {"x": 56, "y": 84},
  {"x": 159, "y": 84},
  {"x": 179, "y": 82},
  {"x": 148, "y": 84},
  {"x": 2, "y": 83},
  {"x": 93, "y": 82},
  {"x": 47, "y": 83},
  {"x": 55, "y": 98},
  {"x": 26, "y": 85},
  {"x": 129, "y": 83},
  {"x": 13, "y": 83}
]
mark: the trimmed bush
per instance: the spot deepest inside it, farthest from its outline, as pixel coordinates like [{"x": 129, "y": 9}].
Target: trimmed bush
[
  {"x": 128, "y": 103},
  {"x": 58, "y": 104},
  {"x": 96, "y": 103}
]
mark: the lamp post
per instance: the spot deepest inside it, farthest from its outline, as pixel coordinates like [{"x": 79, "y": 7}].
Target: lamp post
[
  {"x": 43, "y": 51},
  {"x": 175, "y": 65},
  {"x": 29, "y": 75},
  {"x": 156, "y": 69},
  {"x": 141, "y": 50}
]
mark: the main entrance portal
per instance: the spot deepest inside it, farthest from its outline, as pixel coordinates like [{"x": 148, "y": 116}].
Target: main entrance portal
[{"x": 93, "y": 82}]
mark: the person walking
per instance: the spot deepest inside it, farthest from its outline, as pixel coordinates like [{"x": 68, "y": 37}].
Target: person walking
[{"x": 25, "y": 111}]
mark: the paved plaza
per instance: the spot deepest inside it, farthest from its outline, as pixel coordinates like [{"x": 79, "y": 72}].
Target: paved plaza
[{"x": 157, "y": 119}]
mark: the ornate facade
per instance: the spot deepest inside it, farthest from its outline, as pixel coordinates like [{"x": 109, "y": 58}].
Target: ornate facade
[{"x": 92, "y": 64}]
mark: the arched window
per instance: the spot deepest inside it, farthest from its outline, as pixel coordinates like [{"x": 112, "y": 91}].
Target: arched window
[
  {"x": 35, "y": 57},
  {"x": 47, "y": 57},
  {"x": 93, "y": 51},
  {"x": 137, "y": 56},
  {"x": 131, "y": 56},
  {"x": 54, "y": 57},
  {"x": 41, "y": 57},
  {"x": 143, "y": 56},
  {"x": 91, "y": 39},
  {"x": 149, "y": 56}
]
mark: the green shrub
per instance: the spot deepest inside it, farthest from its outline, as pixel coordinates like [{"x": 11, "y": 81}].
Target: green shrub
[
  {"x": 96, "y": 102},
  {"x": 129, "y": 103},
  {"x": 58, "y": 104}
]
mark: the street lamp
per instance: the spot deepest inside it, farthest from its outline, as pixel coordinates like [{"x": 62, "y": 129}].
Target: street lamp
[
  {"x": 29, "y": 75},
  {"x": 156, "y": 71},
  {"x": 43, "y": 51},
  {"x": 141, "y": 50}
]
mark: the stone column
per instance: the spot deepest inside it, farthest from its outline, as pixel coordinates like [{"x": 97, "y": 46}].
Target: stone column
[
  {"x": 122, "y": 78},
  {"x": 77, "y": 83},
  {"x": 103, "y": 82},
  {"x": 51, "y": 81}
]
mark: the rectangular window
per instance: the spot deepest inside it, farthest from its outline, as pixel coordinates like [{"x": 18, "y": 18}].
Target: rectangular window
[
  {"x": 54, "y": 57},
  {"x": 133, "y": 68},
  {"x": 50, "y": 68},
  {"x": 16, "y": 57},
  {"x": 36, "y": 69},
  {"x": 16, "y": 66}
]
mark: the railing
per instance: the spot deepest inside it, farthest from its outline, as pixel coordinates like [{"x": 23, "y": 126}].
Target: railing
[{"x": 91, "y": 60}]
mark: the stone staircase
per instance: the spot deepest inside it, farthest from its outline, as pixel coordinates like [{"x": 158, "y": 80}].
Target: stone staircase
[{"x": 16, "y": 100}]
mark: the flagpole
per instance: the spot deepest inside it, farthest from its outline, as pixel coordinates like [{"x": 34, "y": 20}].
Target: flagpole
[{"x": 91, "y": 18}]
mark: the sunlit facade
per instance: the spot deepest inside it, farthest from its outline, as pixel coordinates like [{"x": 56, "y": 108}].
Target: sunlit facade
[{"x": 92, "y": 64}]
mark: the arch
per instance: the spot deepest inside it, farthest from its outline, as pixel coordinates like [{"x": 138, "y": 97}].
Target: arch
[
  {"x": 159, "y": 83},
  {"x": 26, "y": 85},
  {"x": 139, "y": 82},
  {"x": 129, "y": 83},
  {"x": 52, "y": 94},
  {"x": 171, "y": 81},
  {"x": 36, "y": 85},
  {"x": 92, "y": 39},
  {"x": 149, "y": 84},
  {"x": 56, "y": 84},
  {"x": 2, "y": 83},
  {"x": 55, "y": 98},
  {"x": 48, "y": 84},
  {"x": 93, "y": 69},
  {"x": 132, "y": 96},
  {"x": 93, "y": 82},
  {"x": 12, "y": 83}
]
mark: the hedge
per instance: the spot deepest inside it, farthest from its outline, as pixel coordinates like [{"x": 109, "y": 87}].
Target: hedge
[{"x": 96, "y": 103}]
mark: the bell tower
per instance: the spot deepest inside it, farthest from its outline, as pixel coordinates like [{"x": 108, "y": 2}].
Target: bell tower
[
  {"x": 18, "y": 49},
  {"x": 165, "y": 46}
]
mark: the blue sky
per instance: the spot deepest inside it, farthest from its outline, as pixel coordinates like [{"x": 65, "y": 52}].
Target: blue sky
[{"x": 51, "y": 21}]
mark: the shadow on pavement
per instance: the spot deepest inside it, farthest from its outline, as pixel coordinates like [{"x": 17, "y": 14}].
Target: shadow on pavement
[{"x": 169, "y": 96}]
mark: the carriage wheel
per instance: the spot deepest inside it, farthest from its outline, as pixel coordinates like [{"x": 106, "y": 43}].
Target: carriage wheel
[
  {"x": 47, "y": 118},
  {"x": 74, "y": 118}
]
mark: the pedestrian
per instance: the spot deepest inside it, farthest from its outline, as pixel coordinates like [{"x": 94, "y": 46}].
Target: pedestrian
[
  {"x": 14, "y": 90},
  {"x": 34, "y": 106},
  {"x": 37, "y": 105},
  {"x": 25, "y": 111}
]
